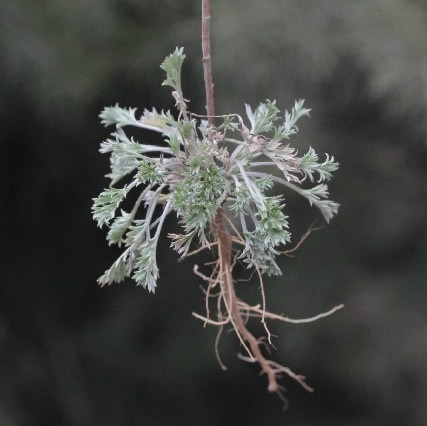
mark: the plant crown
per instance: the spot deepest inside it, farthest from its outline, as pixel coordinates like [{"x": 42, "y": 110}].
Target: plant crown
[{"x": 199, "y": 169}]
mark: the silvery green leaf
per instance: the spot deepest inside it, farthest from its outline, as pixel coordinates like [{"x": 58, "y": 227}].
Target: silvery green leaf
[
  {"x": 131, "y": 147},
  {"x": 228, "y": 124},
  {"x": 200, "y": 214},
  {"x": 122, "y": 117},
  {"x": 258, "y": 254},
  {"x": 326, "y": 169},
  {"x": 105, "y": 206},
  {"x": 271, "y": 223},
  {"x": 291, "y": 118},
  {"x": 181, "y": 242},
  {"x": 328, "y": 208},
  {"x": 174, "y": 142},
  {"x": 150, "y": 171},
  {"x": 309, "y": 165},
  {"x": 137, "y": 232},
  {"x": 152, "y": 120},
  {"x": 126, "y": 154},
  {"x": 118, "y": 228},
  {"x": 240, "y": 197},
  {"x": 289, "y": 126},
  {"x": 170, "y": 120},
  {"x": 117, "y": 272},
  {"x": 317, "y": 196},
  {"x": 146, "y": 271},
  {"x": 172, "y": 66},
  {"x": 285, "y": 159},
  {"x": 118, "y": 116},
  {"x": 263, "y": 118},
  {"x": 316, "y": 193},
  {"x": 121, "y": 165}
]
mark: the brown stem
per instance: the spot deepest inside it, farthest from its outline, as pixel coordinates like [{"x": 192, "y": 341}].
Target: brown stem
[
  {"x": 224, "y": 241},
  {"x": 218, "y": 226},
  {"x": 224, "y": 247},
  {"x": 207, "y": 67}
]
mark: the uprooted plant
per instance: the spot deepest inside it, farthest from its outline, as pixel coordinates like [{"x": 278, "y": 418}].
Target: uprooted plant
[{"x": 218, "y": 180}]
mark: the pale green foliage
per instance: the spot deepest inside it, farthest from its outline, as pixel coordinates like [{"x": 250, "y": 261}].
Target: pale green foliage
[
  {"x": 172, "y": 66},
  {"x": 263, "y": 118},
  {"x": 146, "y": 271},
  {"x": 309, "y": 165},
  {"x": 200, "y": 169},
  {"x": 105, "y": 206}
]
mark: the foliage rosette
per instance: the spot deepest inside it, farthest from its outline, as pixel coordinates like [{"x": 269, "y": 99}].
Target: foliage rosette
[{"x": 197, "y": 170}]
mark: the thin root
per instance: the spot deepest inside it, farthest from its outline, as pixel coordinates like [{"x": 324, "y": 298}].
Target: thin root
[{"x": 234, "y": 312}]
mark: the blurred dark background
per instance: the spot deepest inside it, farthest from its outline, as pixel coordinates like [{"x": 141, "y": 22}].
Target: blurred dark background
[{"x": 72, "y": 353}]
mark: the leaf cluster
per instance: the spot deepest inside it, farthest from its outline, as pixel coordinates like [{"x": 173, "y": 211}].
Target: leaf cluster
[{"x": 198, "y": 169}]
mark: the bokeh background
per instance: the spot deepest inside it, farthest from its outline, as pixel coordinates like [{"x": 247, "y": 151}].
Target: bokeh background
[{"x": 72, "y": 353}]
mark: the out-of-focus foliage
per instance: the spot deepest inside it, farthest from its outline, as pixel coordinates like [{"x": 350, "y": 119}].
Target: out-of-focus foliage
[
  {"x": 71, "y": 353},
  {"x": 286, "y": 45},
  {"x": 62, "y": 54}
]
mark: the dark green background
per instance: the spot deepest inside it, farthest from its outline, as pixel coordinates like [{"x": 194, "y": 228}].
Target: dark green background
[{"x": 72, "y": 353}]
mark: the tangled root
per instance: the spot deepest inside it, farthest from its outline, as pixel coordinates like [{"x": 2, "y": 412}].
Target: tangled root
[{"x": 230, "y": 310}]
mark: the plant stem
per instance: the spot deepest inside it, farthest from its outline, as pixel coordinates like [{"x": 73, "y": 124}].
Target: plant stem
[
  {"x": 224, "y": 248},
  {"x": 207, "y": 66},
  {"x": 224, "y": 242},
  {"x": 218, "y": 226}
]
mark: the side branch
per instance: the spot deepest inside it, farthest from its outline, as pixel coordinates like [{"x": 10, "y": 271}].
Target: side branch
[{"x": 256, "y": 311}]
